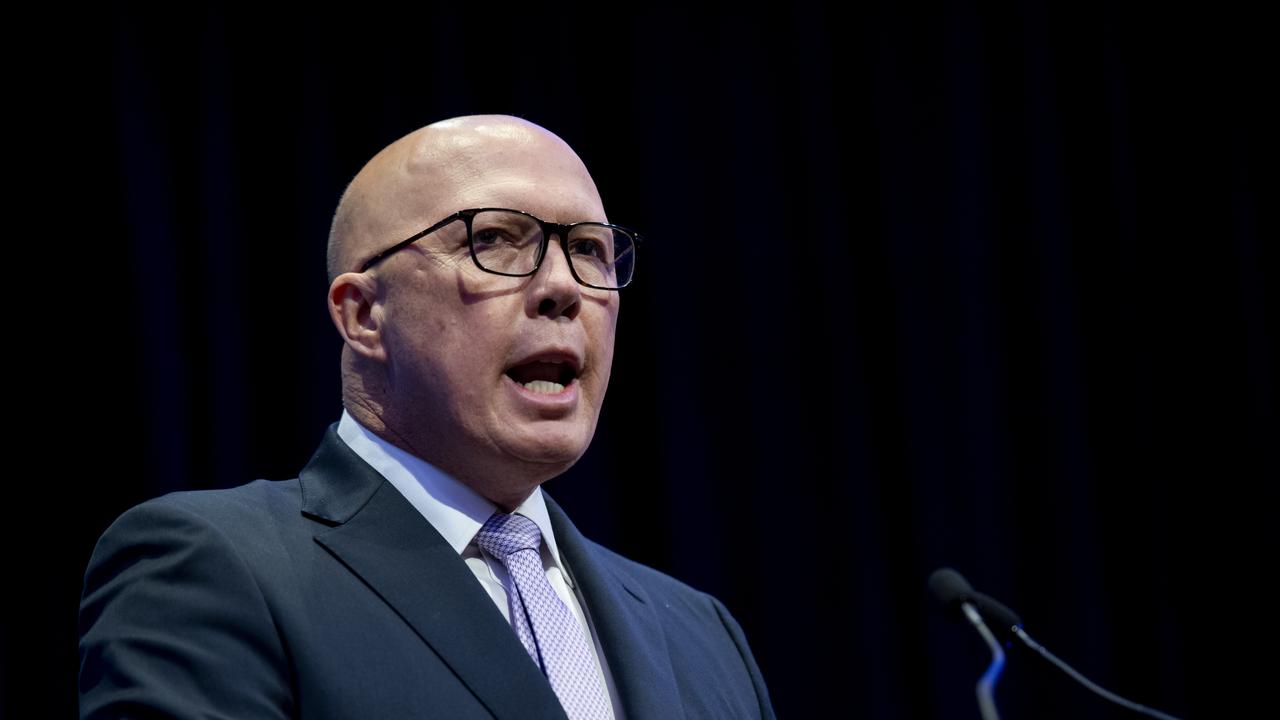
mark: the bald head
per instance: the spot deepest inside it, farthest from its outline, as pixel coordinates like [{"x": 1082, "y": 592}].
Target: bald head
[{"x": 394, "y": 194}]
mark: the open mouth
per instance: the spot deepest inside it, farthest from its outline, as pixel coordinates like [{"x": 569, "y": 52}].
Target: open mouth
[{"x": 547, "y": 377}]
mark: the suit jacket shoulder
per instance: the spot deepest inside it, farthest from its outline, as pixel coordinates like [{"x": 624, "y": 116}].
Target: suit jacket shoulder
[{"x": 174, "y": 615}]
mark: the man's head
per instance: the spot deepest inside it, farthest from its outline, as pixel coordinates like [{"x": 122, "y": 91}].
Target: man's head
[{"x": 440, "y": 355}]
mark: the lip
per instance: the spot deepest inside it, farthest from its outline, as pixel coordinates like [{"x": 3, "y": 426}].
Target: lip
[{"x": 552, "y": 355}]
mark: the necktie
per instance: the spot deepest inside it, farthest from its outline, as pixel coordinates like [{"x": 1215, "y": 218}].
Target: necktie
[{"x": 546, "y": 627}]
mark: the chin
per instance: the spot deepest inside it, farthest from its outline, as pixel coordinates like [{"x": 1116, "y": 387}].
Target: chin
[{"x": 549, "y": 454}]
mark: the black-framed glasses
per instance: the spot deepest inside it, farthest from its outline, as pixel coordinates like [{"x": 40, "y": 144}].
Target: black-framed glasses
[{"x": 514, "y": 243}]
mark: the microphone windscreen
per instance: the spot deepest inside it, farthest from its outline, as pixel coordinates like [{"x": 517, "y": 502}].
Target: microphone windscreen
[{"x": 951, "y": 589}]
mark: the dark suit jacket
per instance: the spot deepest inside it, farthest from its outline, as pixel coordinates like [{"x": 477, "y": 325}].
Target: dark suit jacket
[{"x": 329, "y": 596}]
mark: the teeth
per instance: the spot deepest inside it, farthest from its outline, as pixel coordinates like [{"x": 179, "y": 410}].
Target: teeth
[{"x": 546, "y": 387}]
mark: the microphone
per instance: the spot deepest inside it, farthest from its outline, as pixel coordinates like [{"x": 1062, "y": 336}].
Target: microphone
[
  {"x": 955, "y": 593},
  {"x": 958, "y": 600},
  {"x": 952, "y": 589}
]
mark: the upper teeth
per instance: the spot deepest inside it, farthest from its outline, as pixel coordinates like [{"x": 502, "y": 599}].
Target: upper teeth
[{"x": 544, "y": 386}]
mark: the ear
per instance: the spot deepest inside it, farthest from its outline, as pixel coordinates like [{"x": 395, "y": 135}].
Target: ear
[{"x": 355, "y": 310}]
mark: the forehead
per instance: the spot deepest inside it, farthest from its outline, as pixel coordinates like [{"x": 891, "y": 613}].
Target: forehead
[{"x": 522, "y": 171}]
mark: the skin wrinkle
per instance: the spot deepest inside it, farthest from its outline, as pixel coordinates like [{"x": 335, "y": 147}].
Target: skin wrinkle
[{"x": 429, "y": 335}]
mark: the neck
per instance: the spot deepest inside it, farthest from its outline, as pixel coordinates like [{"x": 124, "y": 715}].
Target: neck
[{"x": 506, "y": 487}]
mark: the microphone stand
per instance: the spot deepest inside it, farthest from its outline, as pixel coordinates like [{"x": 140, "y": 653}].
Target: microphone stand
[{"x": 986, "y": 687}]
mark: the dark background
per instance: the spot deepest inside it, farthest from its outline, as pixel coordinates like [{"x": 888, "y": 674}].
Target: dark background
[{"x": 988, "y": 285}]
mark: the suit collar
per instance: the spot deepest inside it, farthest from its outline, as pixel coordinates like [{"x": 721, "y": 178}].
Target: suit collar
[
  {"x": 626, "y": 620},
  {"x": 335, "y": 483},
  {"x": 382, "y": 539}
]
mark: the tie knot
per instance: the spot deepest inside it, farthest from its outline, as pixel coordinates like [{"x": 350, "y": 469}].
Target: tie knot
[{"x": 503, "y": 534}]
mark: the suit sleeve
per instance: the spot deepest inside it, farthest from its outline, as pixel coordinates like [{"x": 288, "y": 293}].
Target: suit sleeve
[
  {"x": 753, "y": 670},
  {"x": 173, "y": 624}
]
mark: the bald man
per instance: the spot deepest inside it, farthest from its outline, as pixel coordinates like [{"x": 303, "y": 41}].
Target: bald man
[{"x": 415, "y": 568}]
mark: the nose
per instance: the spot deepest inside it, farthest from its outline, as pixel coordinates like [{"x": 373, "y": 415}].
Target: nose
[{"x": 553, "y": 292}]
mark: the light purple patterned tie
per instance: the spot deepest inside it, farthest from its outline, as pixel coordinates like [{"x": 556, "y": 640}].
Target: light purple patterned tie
[{"x": 546, "y": 627}]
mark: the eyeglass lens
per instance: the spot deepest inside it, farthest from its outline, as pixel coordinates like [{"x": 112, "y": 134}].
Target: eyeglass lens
[{"x": 507, "y": 242}]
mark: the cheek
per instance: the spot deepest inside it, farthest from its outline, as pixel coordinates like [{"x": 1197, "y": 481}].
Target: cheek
[
  {"x": 608, "y": 330},
  {"x": 602, "y": 335},
  {"x": 474, "y": 346},
  {"x": 425, "y": 344}
]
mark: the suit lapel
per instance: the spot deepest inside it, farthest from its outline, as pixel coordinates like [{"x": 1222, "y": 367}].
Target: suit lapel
[
  {"x": 627, "y": 623},
  {"x": 381, "y": 538}
]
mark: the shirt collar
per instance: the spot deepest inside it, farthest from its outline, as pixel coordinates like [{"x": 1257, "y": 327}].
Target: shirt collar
[{"x": 456, "y": 511}]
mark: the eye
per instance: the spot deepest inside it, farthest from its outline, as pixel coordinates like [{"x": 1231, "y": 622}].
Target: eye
[
  {"x": 493, "y": 236},
  {"x": 585, "y": 247},
  {"x": 593, "y": 247}
]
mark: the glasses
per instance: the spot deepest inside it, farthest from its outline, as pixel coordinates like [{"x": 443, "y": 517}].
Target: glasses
[{"x": 514, "y": 243}]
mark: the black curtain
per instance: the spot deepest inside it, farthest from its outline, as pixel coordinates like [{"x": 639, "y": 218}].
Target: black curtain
[{"x": 988, "y": 285}]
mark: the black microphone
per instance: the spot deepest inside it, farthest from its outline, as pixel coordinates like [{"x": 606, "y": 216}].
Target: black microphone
[
  {"x": 951, "y": 589},
  {"x": 958, "y": 600},
  {"x": 954, "y": 592}
]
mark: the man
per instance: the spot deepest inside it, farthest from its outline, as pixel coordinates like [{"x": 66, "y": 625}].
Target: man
[{"x": 415, "y": 568}]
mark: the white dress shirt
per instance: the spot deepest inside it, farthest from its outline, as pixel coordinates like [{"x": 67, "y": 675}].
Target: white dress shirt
[{"x": 457, "y": 512}]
